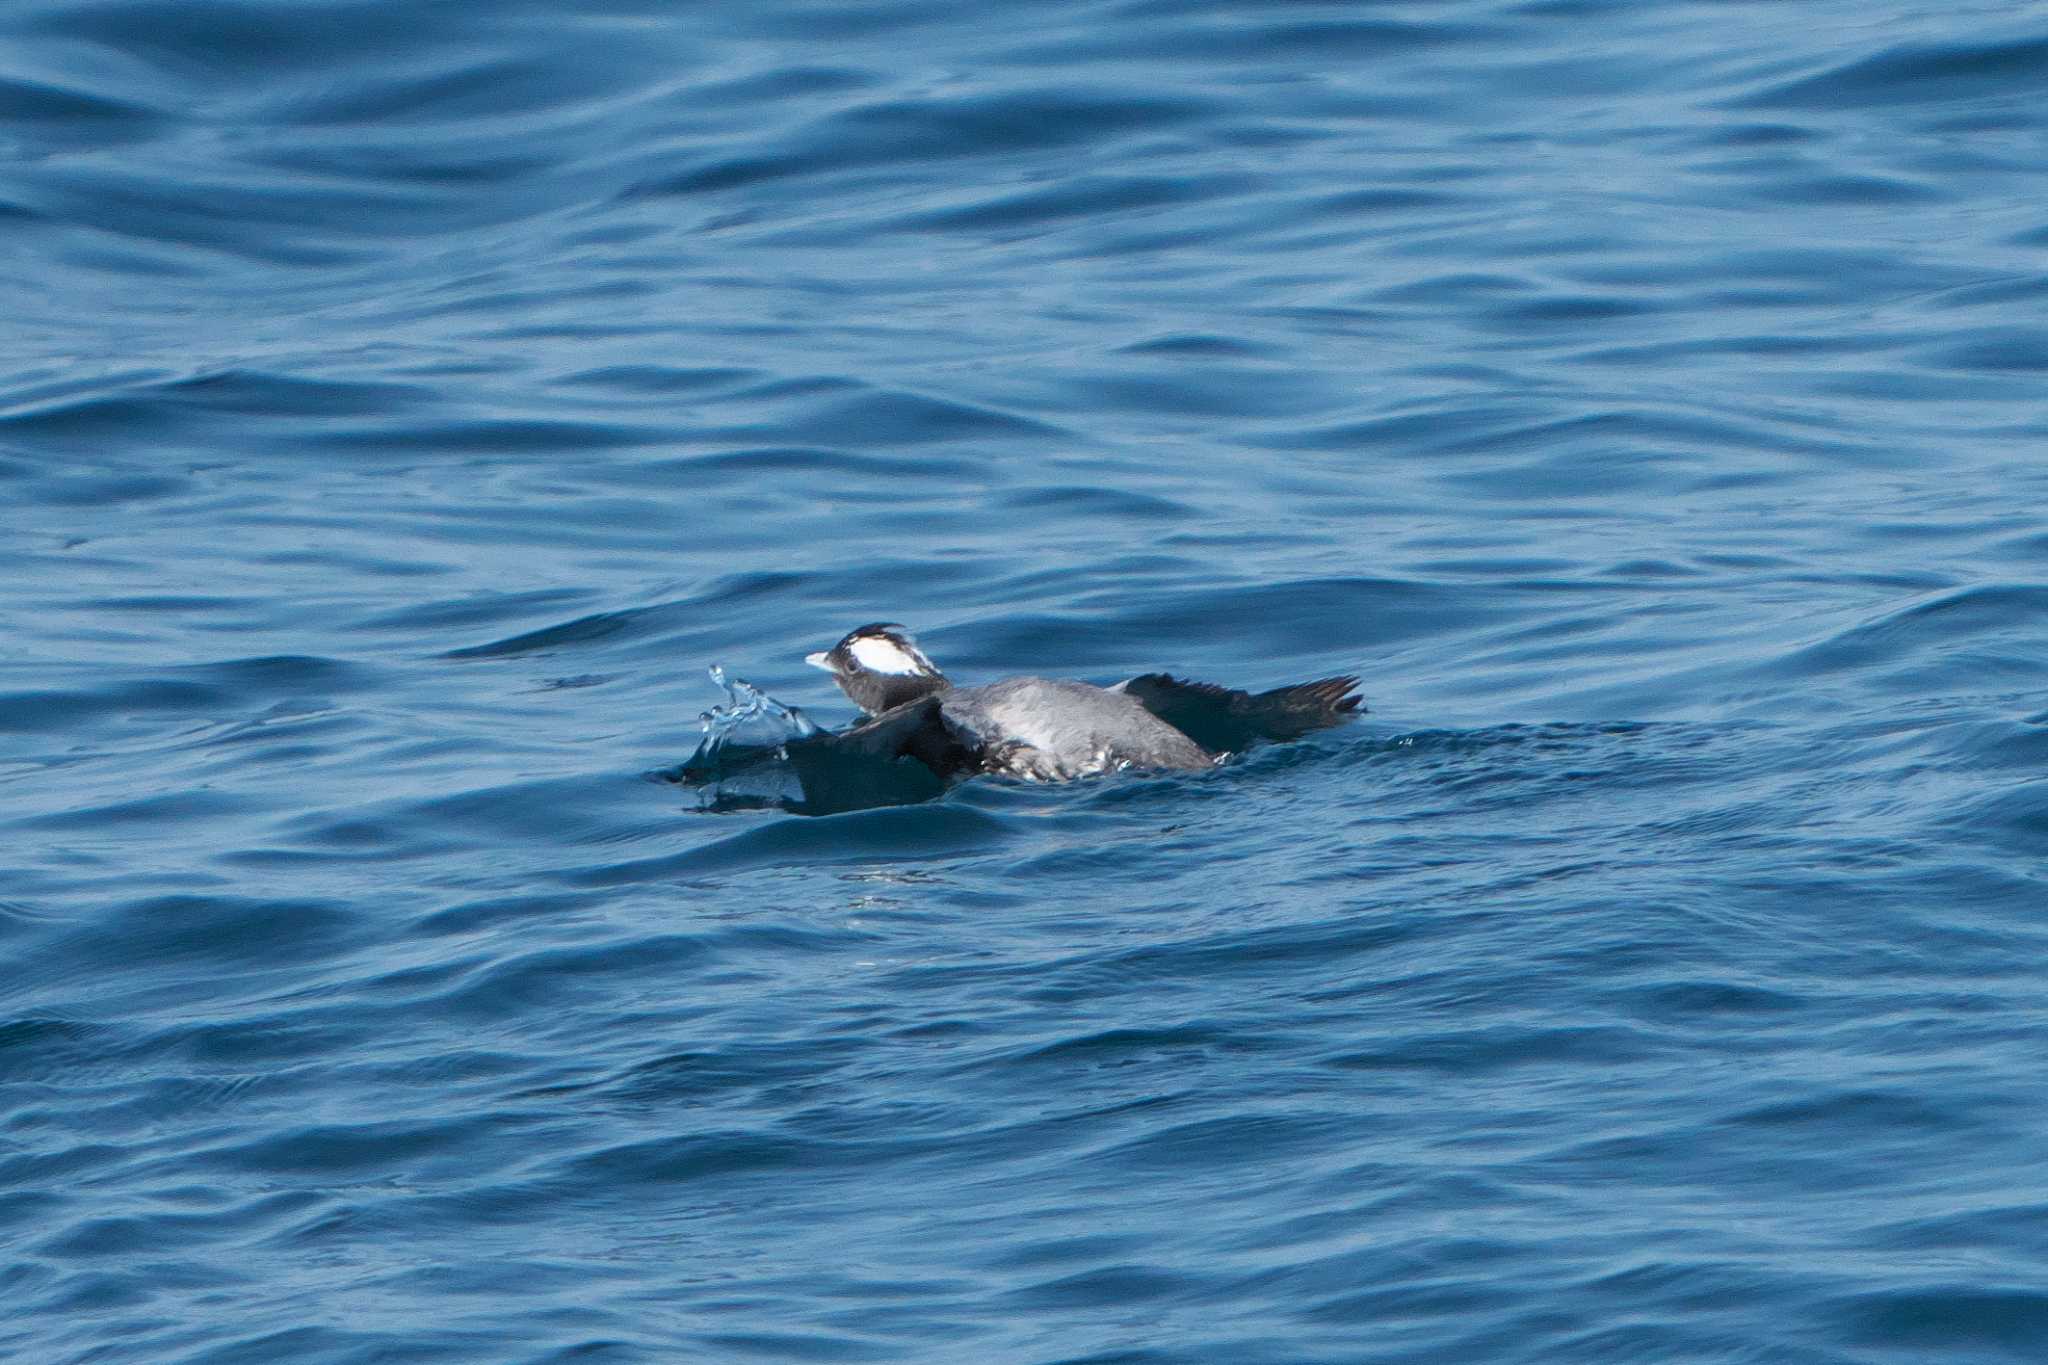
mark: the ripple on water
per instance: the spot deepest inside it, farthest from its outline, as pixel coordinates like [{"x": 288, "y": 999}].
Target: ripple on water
[
  {"x": 1915, "y": 73},
  {"x": 1908, "y": 648}
]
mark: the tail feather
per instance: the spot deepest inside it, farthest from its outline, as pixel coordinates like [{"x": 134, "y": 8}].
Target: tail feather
[
  {"x": 1225, "y": 719},
  {"x": 1335, "y": 698}
]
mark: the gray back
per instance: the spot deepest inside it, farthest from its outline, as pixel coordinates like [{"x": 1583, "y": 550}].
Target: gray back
[{"x": 1076, "y": 728}]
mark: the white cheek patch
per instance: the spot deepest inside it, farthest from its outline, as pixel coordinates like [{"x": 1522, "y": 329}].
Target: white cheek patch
[{"x": 879, "y": 655}]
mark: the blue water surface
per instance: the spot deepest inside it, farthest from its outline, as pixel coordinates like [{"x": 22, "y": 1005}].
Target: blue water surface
[{"x": 402, "y": 403}]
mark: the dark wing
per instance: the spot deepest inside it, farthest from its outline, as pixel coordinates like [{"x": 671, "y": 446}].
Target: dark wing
[
  {"x": 917, "y": 729},
  {"x": 1225, "y": 720},
  {"x": 906, "y": 754}
]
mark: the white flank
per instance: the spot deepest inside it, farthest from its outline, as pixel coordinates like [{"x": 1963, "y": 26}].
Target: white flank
[{"x": 879, "y": 655}]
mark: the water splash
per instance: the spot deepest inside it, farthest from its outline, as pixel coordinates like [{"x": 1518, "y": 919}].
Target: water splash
[
  {"x": 744, "y": 755},
  {"x": 759, "y": 754},
  {"x": 746, "y": 705}
]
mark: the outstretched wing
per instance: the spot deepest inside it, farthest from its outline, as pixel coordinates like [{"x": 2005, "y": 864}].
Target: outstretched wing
[
  {"x": 906, "y": 754},
  {"x": 1224, "y": 719},
  {"x": 917, "y": 729}
]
